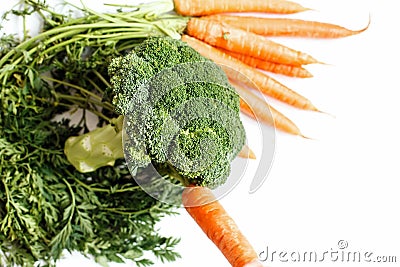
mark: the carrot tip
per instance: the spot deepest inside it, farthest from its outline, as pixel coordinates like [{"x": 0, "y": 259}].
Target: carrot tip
[
  {"x": 306, "y": 137},
  {"x": 326, "y": 113},
  {"x": 312, "y": 60},
  {"x": 365, "y": 28},
  {"x": 322, "y": 63},
  {"x": 309, "y": 9},
  {"x": 246, "y": 152},
  {"x": 252, "y": 155}
]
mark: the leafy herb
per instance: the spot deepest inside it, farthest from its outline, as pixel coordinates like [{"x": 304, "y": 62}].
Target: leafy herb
[{"x": 46, "y": 206}]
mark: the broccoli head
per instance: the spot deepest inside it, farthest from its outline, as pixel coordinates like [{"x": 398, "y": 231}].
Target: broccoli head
[{"x": 180, "y": 111}]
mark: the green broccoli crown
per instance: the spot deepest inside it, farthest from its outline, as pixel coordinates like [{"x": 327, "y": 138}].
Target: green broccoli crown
[{"x": 179, "y": 110}]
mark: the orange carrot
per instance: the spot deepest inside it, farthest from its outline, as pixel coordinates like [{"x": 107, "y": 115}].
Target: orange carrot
[
  {"x": 246, "y": 109},
  {"x": 219, "y": 227},
  {"x": 246, "y": 152},
  {"x": 258, "y": 109},
  {"x": 288, "y": 70},
  {"x": 236, "y": 70},
  {"x": 241, "y": 41},
  {"x": 285, "y": 26},
  {"x": 207, "y": 7}
]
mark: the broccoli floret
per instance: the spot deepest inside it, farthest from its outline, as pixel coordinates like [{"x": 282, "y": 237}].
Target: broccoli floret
[
  {"x": 128, "y": 89},
  {"x": 180, "y": 110}
]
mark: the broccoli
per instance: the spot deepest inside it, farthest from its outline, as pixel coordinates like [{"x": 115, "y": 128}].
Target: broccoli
[
  {"x": 181, "y": 116},
  {"x": 180, "y": 111}
]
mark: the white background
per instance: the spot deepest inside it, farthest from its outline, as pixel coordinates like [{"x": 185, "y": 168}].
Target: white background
[{"x": 344, "y": 184}]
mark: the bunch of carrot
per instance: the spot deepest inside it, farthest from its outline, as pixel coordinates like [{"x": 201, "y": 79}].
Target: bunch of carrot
[{"x": 239, "y": 44}]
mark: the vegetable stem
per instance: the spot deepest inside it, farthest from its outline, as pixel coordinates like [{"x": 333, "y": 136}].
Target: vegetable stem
[
  {"x": 102, "y": 78},
  {"x": 64, "y": 31},
  {"x": 83, "y": 90},
  {"x": 135, "y": 213}
]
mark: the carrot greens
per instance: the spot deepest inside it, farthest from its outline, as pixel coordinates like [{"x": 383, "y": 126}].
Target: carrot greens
[{"x": 47, "y": 207}]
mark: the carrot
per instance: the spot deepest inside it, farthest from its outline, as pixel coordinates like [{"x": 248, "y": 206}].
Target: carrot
[
  {"x": 285, "y": 26},
  {"x": 246, "y": 152},
  {"x": 258, "y": 109},
  {"x": 219, "y": 227},
  {"x": 241, "y": 41},
  {"x": 236, "y": 70},
  {"x": 246, "y": 109},
  {"x": 288, "y": 70},
  {"x": 207, "y": 7}
]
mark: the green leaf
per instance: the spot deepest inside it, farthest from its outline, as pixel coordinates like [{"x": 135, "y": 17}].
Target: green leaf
[
  {"x": 31, "y": 76},
  {"x": 133, "y": 254},
  {"x": 116, "y": 258}
]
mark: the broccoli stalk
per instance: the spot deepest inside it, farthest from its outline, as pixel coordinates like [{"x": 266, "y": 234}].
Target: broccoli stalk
[{"x": 181, "y": 115}]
